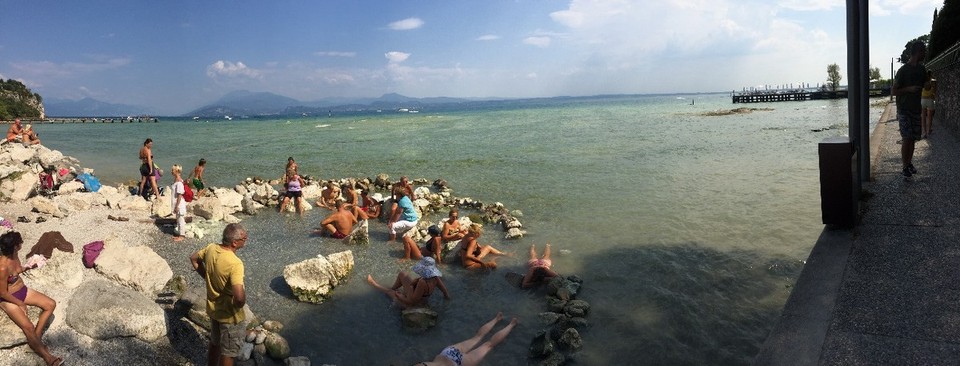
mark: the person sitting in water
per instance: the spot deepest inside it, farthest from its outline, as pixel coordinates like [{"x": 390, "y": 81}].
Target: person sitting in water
[
  {"x": 434, "y": 246},
  {"x": 538, "y": 271},
  {"x": 329, "y": 196},
  {"x": 30, "y": 135},
  {"x": 451, "y": 227},
  {"x": 369, "y": 205},
  {"x": 15, "y": 296},
  {"x": 340, "y": 223},
  {"x": 294, "y": 185},
  {"x": 196, "y": 177},
  {"x": 408, "y": 292},
  {"x": 350, "y": 194},
  {"x": 470, "y": 352},
  {"x": 15, "y": 132},
  {"x": 472, "y": 253}
]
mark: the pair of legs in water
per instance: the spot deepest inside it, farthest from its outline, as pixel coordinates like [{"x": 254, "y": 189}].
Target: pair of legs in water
[{"x": 470, "y": 352}]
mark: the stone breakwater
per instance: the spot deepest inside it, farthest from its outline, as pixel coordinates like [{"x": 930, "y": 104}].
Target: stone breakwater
[{"x": 130, "y": 309}]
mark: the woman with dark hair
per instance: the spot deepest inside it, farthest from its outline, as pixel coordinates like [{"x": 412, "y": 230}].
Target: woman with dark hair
[
  {"x": 15, "y": 296},
  {"x": 539, "y": 268},
  {"x": 434, "y": 246}
]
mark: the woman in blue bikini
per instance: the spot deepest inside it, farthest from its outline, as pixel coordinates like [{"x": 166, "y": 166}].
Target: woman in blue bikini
[
  {"x": 15, "y": 296},
  {"x": 470, "y": 352}
]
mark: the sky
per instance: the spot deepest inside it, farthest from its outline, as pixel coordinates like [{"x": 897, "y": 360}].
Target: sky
[{"x": 175, "y": 56}]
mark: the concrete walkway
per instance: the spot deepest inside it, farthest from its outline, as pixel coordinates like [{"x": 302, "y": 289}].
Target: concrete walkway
[{"x": 888, "y": 291}]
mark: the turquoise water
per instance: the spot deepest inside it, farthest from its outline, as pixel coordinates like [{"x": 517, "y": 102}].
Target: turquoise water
[{"x": 687, "y": 229}]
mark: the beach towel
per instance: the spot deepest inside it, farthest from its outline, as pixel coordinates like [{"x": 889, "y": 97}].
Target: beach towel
[{"x": 48, "y": 242}]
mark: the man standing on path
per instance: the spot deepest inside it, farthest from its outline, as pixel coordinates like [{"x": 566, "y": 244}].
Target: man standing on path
[
  {"x": 222, "y": 271},
  {"x": 907, "y": 85}
]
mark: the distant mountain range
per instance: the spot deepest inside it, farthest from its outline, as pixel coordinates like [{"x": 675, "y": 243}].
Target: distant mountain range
[
  {"x": 246, "y": 103},
  {"x": 88, "y": 107}
]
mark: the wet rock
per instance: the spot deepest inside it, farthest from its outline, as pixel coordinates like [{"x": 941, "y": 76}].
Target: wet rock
[
  {"x": 313, "y": 279},
  {"x": 554, "y": 359},
  {"x": 273, "y": 326},
  {"x": 297, "y": 361},
  {"x": 570, "y": 340},
  {"x": 549, "y": 318},
  {"x": 541, "y": 346},
  {"x": 419, "y": 319},
  {"x": 556, "y": 305},
  {"x": 514, "y": 233},
  {"x": 277, "y": 346},
  {"x": 577, "y": 308},
  {"x": 382, "y": 181}
]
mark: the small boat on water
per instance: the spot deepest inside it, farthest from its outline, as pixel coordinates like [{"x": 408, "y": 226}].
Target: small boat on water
[
  {"x": 228, "y": 118},
  {"x": 403, "y": 110}
]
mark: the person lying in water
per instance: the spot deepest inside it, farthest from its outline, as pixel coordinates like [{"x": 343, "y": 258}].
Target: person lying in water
[
  {"x": 538, "y": 271},
  {"x": 470, "y": 352},
  {"x": 408, "y": 292}
]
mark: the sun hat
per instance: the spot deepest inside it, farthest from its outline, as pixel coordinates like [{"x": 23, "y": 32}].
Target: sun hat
[
  {"x": 434, "y": 230},
  {"x": 377, "y": 197},
  {"x": 427, "y": 268}
]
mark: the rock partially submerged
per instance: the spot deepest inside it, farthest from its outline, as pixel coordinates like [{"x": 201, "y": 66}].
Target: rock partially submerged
[{"x": 313, "y": 279}]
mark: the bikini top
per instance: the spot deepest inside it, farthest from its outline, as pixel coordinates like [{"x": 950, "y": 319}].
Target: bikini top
[{"x": 12, "y": 279}]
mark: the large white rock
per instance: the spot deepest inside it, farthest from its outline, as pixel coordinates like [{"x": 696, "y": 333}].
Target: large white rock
[
  {"x": 137, "y": 267},
  {"x": 20, "y": 154},
  {"x": 46, "y": 206},
  {"x": 421, "y": 192},
  {"x": 103, "y": 310},
  {"x": 49, "y": 157},
  {"x": 292, "y": 205},
  {"x": 313, "y": 279},
  {"x": 250, "y": 207},
  {"x": 229, "y": 199},
  {"x": 62, "y": 270},
  {"x": 162, "y": 207},
  {"x": 134, "y": 203},
  {"x": 19, "y": 188},
  {"x": 208, "y": 208},
  {"x": 70, "y": 187},
  {"x": 312, "y": 192},
  {"x": 71, "y": 203}
]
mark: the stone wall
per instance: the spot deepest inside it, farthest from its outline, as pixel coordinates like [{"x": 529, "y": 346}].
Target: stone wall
[{"x": 947, "y": 73}]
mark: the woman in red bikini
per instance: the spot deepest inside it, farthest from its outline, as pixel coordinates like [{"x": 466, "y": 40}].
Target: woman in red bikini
[{"x": 15, "y": 296}]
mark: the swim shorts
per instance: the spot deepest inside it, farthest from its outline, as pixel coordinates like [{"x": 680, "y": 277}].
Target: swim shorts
[
  {"x": 294, "y": 194},
  {"x": 910, "y": 128},
  {"x": 197, "y": 183},
  {"x": 144, "y": 170},
  {"x": 928, "y": 103}
]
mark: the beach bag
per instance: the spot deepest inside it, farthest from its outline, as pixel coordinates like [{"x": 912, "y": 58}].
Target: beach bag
[
  {"x": 187, "y": 193},
  {"x": 90, "y": 183},
  {"x": 90, "y": 253}
]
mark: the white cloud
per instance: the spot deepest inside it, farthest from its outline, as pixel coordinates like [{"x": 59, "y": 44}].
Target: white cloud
[
  {"x": 406, "y": 24},
  {"x": 488, "y": 37},
  {"x": 395, "y": 57},
  {"x": 811, "y": 5},
  {"x": 539, "y": 41},
  {"x": 335, "y": 54},
  {"x": 230, "y": 69}
]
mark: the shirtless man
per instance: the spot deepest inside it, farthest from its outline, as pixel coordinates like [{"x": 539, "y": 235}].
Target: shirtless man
[
  {"x": 329, "y": 196},
  {"x": 340, "y": 223},
  {"x": 15, "y": 131}
]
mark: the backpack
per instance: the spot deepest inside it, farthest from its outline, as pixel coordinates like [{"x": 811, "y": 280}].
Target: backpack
[
  {"x": 90, "y": 253},
  {"x": 187, "y": 193}
]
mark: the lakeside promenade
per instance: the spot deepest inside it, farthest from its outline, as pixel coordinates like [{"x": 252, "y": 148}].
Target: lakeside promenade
[{"x": 888, "y": 291}]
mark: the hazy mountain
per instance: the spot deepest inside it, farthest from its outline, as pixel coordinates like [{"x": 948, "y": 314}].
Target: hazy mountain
[
  {"x": 246, "y": 103},
  {"x": 88, "y": 107}
]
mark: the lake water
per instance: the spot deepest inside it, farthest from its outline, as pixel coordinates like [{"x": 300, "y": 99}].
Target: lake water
[{"x": 687, "y": 229}]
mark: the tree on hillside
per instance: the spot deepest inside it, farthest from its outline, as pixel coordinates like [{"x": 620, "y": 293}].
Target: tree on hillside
[
  {"x": 905, "y": 54},
  {"x": 946, "y": 28},
  {"x": 833, "y": 76}
]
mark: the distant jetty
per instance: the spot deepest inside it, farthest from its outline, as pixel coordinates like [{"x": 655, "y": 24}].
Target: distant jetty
[
  {"x": 87, "y": 120},
  {"x": 764, "y": 96}
]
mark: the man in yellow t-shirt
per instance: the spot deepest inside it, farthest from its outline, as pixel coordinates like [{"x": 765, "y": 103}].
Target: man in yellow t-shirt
[{"x": 222, "y": 271}]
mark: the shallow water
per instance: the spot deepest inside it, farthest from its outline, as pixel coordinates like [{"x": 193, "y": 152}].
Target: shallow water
[{"x": 688, "y": 230}]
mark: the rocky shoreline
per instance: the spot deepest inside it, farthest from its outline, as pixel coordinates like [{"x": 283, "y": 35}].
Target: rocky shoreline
[{"x": 134, "y": 308}]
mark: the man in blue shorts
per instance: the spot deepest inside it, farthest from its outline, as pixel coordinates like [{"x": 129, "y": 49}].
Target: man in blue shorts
[{"x": 907, "y": 85}]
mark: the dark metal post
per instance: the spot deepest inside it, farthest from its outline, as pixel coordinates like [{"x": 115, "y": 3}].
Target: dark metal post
[{"x": 864, "y": 91}]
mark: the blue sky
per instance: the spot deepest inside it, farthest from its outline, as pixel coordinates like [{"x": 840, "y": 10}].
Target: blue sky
[{"x": 176, "y": 55}]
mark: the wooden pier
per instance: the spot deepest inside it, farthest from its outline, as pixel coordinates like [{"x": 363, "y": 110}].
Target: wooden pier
[
  {"x": 797, "y": 95},
  {"x": 54, "y": 120}
]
